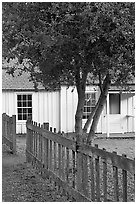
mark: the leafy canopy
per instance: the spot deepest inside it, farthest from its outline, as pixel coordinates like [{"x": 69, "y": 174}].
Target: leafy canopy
[{"x": 64, "y": 41}]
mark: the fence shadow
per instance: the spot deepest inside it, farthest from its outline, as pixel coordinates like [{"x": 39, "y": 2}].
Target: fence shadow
[
  {"x": 9, "y": 131},
  {"x": 83, "y": 172}
]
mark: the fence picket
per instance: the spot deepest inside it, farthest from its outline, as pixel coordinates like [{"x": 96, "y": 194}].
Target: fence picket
[
  {"x": 67, "y": 165},
  {"x": 92, "y": 178},
  {"x": 50, "y": 153},
  {"x": 115, "y": 176},
  {"x": 73, "y": 166},
  {"x": 73, "y": 169},
  {"x": 79, "y": 171},
  {"x": 59, "y": 159},
  {"x": 63, "y": 163},
  {"x": 104, "y": 178},
  {"x": 85, "y": 175},
  {"x": 9, "y": 131},
  {"x": 46, "y": 126},
  {"x": 97, "y": 177},
  {"x": 124, "y": 175}
]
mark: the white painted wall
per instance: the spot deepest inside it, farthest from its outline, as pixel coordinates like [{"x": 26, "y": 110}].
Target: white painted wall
[
  {"x": 59, "y": 108},
  {"x": 45, "y": 108}
]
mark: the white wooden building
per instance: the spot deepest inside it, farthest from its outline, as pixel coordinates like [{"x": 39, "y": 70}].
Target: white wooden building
[{"x": 58, "y": 107}]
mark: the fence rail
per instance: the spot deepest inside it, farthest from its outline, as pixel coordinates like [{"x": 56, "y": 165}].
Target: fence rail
[
  {"x": 9, "y": 131},
  {"x": 85, "y": 173}
]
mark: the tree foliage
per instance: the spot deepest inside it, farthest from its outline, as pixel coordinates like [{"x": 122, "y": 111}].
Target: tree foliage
[{"x": 65, "y": 41}]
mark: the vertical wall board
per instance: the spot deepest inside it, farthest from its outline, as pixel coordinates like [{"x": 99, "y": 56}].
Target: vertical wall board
[
  {"x": 46, "y": 108},
  {"x": 133, "y": 113},
  {"x": 56, "y": 110},
  {"x": 50, "y": 103},
  {"x": 74, "y": 105},
  {"x": 124, "y": 98},
  {"x": 3, "y": 102},
  {"x": 9, "y": 103},
  {"x": 130, "y": 113},
  {"x": 63, "y": 109},
  {"x": 35, "y": 114},
  {"x": 40, "y": 107},
  {"x": 69, "y": 106}
]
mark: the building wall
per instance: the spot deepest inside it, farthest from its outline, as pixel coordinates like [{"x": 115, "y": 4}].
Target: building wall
[
  {"x": 45, "y": 108},
  {"x": 59, "y": 108}
]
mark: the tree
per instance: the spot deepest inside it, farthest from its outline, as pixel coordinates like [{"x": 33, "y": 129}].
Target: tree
[{"x": 66, "y": 41}]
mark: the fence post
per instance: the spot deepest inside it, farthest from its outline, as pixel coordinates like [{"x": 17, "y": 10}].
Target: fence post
[
  {"x": 105, "y": 178},
  {"x": 46, "y": 146},
  {"x": 124, "y": 175},
  {"x": 14, "y": 133},
  {"x": 28, "y": 141},
  {"x": 115, "y": 176},
  {"x": 97, "y": 169}
]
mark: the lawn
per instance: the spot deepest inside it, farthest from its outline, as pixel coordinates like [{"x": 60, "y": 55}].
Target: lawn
[{"x": 121, "y": 146}]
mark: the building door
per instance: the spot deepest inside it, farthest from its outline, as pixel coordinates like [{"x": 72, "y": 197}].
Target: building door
[
  {"x": 112, "y": 119},
  {"x": 24, "y": 110},
  {"x": 115, "y": 120}
]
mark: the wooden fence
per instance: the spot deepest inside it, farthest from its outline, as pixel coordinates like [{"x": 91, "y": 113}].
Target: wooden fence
[
  {"x": 85, "y": 173},
  {"x": 9, "y": 131}
]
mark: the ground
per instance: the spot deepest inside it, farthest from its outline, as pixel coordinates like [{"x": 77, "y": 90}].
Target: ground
[{"x": 22, "y": 183}]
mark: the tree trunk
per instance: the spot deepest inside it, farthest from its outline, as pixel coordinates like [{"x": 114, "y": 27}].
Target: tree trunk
[
  {"x": 79, "y": 114},
  {"x": 80, "y": 85},
  {"x": 88, "y": 122},
  {"x": 101, "y": 103}
]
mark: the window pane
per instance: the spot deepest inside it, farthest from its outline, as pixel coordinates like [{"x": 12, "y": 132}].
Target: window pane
[
  {"x": 18, "y": 97},
  {"x": 29, "y": 103},
  {"x": 24, "y": 104},
  {"x": 114, "y": 103},
  {"x": 93, "y": 102},
  {"x": 88, "y": 109},
  {"x": 19, "y": 117},
  {"x": 90, "y": 102},
  {"x": 29, "y": 110},
  {"x": 24, "y": 101},
  {"x": 25, "y": 117},
  {"x": 85, "y": 109},
  {"x": 30, "y": 115},
  {"x": 24, "y": 110},
  {"x": 84, "y": 116},
  {"x": 24, "y": 97},
  {"x": 19, "y": 110},
  {"x": 30, "y": 97},
  {"x": 19, "y": 104}
]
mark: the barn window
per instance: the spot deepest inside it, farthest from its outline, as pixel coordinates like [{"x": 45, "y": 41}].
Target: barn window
[
  {"x": 24, "y": 106},
  {"x": 89, "y": 106},
  {"x": 114, "y": 103}
]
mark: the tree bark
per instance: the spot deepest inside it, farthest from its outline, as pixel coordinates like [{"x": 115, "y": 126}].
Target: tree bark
[
  {"x": 88, "y": 122},
  {"x": 79, "y": 113},
  {"x": 80, "y": 85},
  {"x": 100, "y": 106}
]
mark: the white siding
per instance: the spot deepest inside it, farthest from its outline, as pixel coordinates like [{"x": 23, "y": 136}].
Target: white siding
[
  {"x": 9, "y": 103},
  {"x": 68, "y": 106},
  {"x": 59, "y": 108},
  {"x": 46, "y": 108}
]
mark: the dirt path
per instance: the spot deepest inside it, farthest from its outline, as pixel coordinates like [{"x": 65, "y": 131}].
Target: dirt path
[{"x": 21, "y": 183}]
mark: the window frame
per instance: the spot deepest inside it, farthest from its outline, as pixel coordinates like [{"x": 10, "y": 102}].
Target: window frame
[
  {"x": 26, "y": 107},
  {"x": 90, "y": 107},
  {"x": 119, "y": 102}
]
